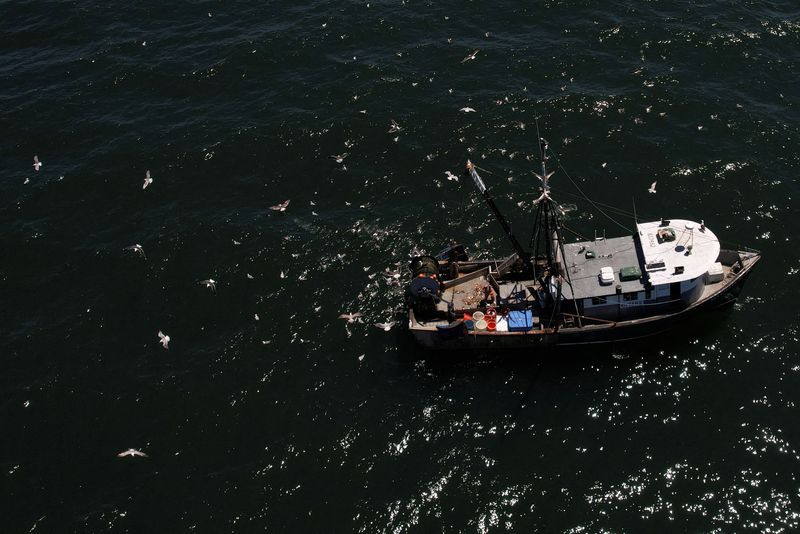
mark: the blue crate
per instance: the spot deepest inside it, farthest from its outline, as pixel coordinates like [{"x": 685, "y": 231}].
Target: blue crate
[{"x": 520, "y": 321}]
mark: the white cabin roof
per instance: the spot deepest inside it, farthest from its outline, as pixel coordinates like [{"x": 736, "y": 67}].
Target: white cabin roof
[{"x": 694, "y": 248}]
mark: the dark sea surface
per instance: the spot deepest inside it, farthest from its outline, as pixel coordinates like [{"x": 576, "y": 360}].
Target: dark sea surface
[{"x": 300, "y": 422}]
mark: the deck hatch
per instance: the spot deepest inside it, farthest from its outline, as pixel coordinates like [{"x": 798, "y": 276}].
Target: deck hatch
[{"x": 627, "y": 274}]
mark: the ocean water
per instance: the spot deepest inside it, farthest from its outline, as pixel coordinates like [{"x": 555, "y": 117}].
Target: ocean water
[{"x": 267, "y": 412}]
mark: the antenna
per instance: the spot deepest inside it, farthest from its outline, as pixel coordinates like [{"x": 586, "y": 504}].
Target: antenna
[
  {"x": 635, "y": 220},
  {"x": 544, "y": 178}
]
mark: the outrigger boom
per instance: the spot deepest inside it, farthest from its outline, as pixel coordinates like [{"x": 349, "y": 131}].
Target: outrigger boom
[{"x": 521, "y": 252}]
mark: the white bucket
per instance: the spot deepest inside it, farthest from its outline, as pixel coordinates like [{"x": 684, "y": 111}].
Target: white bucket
[
  {"x": 477, "y": 316},
  {"x": 480, "y": 325}
]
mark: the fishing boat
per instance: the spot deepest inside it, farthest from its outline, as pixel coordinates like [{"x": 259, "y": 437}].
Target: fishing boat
[{"x": 555, "y": 293}]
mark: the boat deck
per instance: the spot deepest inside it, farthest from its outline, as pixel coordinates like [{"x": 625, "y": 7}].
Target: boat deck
[{"x": 466, "y": 293}]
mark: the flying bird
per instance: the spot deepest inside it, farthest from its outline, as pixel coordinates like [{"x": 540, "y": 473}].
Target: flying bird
[
  {"x": 351, "y": 317},
  {"x": 339, "y": 158},
  {"x": 470, "y": 56},
  {"x": 280, "y": 207},
  {"x": 164, "y": 340},
  {"x": 391, "y": 275},
  {"x": 385, "y": 326},
  {"x": 467, "y": 110},
  {"x": 36, "y": 163},
  {"x": 147, "y": 180},
  {"x": 138, "y": 249},
  {"x": 652, "y": 187},
  {"x": 394, "y": 127},
  {"x": 210, "y": 284},
  {"x": 451, "y": 176},
  {"x": 132, "y": 453}
]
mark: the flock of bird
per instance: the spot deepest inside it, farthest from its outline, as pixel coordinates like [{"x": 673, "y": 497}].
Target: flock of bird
[{"x": 211, "y": 284}]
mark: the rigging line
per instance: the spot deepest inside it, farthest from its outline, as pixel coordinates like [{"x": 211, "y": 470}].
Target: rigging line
[
  {"x": 567, "y": 228},
  {"x": 592, "y": 202},
  {"x": 609, "y": 207},
  {"x": 621, "y": 211}
]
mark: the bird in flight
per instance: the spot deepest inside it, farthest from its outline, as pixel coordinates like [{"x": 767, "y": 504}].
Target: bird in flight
[
  {"x": 147, "y": 180},
  {"x": 467, "y": 109},
  {"x": 391, "y": 275},
  {"x": 132, "y": 453},
  {"x": 385, "y": 326},
  {"x": 280, "y": 207},
  {"x": 351, "y": 317},
  {"x": 339, "y": 158},
  {"x": 652, "y": 187},
  {"x": 137, "y": 248},
  {"x": 163, "y": 339},
  {"x": 210, "y": 284},
  {"x": 36, "y": 163},
  {"x": 451, "y": 176},
  {"x": 470, "y": 56},
  {"x": 394, "y": 127}
]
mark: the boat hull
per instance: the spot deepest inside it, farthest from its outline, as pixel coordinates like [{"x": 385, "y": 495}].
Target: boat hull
[{"x": 459, "y": 339}]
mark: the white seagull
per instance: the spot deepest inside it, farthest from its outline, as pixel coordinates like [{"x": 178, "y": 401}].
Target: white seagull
[
  {"x": 147, "y": 180},
  {"x": 210, "y": 284},
  {"x": 280, "y": 207},
  {"x": 132, "y": 453},
  {"x": 164, "y": 340},
  {"x": 351, "y": 317},
  {"x": 470, "y": 56},
  {"x": 385, "y": 326},
  {"x": 339, "y": 158},
  {"x": 394, "y": 128},
  {"x": 451, "y": 176},
  {"x": 467, "y": 109},
  {"x": 138, "y": 249},
  {"x": 391, "y": 275},
  {"x": 652, "y": 187},
  {"x": 36, "y": 163}
]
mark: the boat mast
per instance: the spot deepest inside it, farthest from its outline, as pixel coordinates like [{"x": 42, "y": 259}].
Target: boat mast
[{"x": 547, "y": 244}]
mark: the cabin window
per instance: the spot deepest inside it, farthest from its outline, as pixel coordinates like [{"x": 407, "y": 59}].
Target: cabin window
[
  {"x": 597, "y": 301},
  {"x": 630, "y": 296}
]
